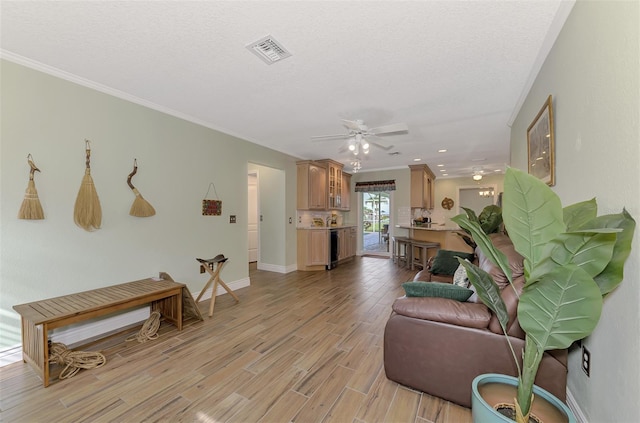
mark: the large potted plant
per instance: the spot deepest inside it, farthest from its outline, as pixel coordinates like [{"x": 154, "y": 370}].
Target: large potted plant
[{"x": 572, "y": 259}]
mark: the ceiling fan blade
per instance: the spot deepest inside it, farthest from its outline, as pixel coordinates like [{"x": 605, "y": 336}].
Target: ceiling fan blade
[
  {"x": 330, "y": 137},
  {"x": 385, "y": 148},
  {"x": 389, "y": 129},
  {"x": 354, "y": 125}
]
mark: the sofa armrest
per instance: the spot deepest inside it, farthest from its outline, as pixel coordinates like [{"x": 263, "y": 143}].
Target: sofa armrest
[{"x": 444, "y": 310}]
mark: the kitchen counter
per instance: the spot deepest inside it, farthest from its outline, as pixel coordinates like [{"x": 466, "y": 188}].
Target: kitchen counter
[
  {"x": 446, "y": 236},
  {"x": 431, "y": 227},
  {"x": 320, "y": 228}
]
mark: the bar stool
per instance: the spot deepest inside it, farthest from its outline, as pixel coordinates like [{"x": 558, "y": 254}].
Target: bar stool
[
  {"x": 401, "y": 250},
  {"x": 419, "y": 258}
]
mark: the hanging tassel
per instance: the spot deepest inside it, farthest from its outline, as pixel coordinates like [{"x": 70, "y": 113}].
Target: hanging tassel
[
  {"x": 87, "y": 212},
  {"x": 140, "y": 206},
  {"x": 31, "y": 208}
]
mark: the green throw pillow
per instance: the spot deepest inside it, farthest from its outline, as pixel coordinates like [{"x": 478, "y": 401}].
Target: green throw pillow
[
  {"x": 436, "y": 289},
  {"x": 446, "y": 263}
]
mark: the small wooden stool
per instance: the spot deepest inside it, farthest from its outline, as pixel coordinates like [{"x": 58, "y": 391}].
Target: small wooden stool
[
  {"x": 213, "y": 267},
  {"x": 419, "y": 254},
  {"x": 401, "y": 250}
]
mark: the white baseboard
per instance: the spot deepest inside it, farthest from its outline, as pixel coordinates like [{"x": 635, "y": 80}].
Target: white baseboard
[
  {"x": 91, "y": 330},
  {"x": 10, "y": 355},
  {"x": 277, "y": 268},
  {"x": 235, "y": 285},
  {"x": 573, "y": 406}
]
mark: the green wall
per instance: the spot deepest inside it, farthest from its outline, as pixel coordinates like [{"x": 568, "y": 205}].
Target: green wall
[
  {"x": 593, "y": 74},
  {"x": 50, "y": 117}
]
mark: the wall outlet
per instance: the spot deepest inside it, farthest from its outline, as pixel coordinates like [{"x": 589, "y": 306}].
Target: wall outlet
[
  {"x": 232, "y": 218},
  {"x": 586, "y": 361}
]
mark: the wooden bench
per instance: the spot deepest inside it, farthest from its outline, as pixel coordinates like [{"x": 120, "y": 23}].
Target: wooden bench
[{"x": 39, "y": 317}]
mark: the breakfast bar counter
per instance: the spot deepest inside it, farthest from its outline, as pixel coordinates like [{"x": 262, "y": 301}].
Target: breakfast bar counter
[{"x": 446, "y": 236}]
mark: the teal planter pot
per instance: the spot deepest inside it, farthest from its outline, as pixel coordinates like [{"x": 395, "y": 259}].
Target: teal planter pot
[{"x": 494, "y": 386}]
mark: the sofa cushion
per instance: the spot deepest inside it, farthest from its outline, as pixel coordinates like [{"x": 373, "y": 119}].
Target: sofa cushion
[
  {"x": 446, "y": 263},
  {"x": 472, "y": 315},
  {"x": 436, "y": 289},
  {"x": 504, "y": 244}
]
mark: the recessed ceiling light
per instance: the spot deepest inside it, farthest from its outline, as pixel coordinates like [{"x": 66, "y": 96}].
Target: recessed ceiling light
[
  {"x": 443, "y": 170},
  {"x": 444, "y": 150},
  {"x": 440, "y": 165},
  {"x": 445, "y": 174},
  {"x": 498, "y": 170},
  {"x": 416, "y": 160}
]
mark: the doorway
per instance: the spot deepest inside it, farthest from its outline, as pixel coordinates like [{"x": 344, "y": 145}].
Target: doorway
[
  {"x": 252, "y": 218},
  {"x": 376, "y": 218},
  {"x": 476, "y": 197}
]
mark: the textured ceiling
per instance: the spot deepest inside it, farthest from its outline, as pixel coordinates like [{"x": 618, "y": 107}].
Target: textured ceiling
[{"x": 453, "y": 71}]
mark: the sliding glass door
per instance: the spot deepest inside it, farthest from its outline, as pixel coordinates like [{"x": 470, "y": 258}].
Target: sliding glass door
[{"x": 376, "y": 217}]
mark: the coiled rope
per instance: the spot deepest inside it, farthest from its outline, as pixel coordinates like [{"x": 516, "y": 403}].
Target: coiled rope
[
  {"x": 149, "y": 330},
  {"x": 74, "y": 360}
]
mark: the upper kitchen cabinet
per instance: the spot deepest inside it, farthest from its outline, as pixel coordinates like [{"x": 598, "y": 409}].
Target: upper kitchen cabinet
[
  {"x": 334, "y": 184},
  {"x": 422, "y": 187},
  {"x": 312, "y": 186},
  {"x": 346, "y": 192}
]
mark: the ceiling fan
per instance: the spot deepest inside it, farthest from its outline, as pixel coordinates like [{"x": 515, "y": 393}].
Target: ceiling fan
[{"x": 360, "y": 136}]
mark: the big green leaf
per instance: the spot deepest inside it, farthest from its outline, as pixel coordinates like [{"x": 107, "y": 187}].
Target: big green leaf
[
  {"x": 578, "y": 214},
  {"x": 590, "y": 251},
  {"x": 490, "y": 219},
  {"x": 471, "y": 214},
  {"x": 612, "y": 275},
  {"x": 484, "y": 243},
  {"x": 487, "y": 291},
  {"x": 532, "y": 214},
  {"x": 562, "y": 307}
]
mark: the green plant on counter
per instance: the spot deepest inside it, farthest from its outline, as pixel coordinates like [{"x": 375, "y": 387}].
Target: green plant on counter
[
  {"x": 489, "y": 220},
  {"x": 572, "y": 259}
]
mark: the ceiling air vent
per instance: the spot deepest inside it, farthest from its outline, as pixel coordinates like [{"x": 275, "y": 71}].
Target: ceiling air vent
[{"x": 269, "y": 50}]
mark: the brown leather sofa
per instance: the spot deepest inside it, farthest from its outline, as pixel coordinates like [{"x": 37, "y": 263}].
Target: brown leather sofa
[{"x": 438, "y": 345}]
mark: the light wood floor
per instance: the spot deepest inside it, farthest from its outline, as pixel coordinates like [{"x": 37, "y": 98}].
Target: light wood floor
[{"x": 302, "y": 347}]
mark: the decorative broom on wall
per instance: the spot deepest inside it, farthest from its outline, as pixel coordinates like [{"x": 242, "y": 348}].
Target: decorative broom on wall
[
  {"x": 140, "y": 206},
  {"x": 87, "y": 212},
  {"x": 31, "y": 208}
]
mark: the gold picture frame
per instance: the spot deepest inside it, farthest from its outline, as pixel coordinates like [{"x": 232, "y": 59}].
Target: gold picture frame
[{"x": 541, "y": 145}]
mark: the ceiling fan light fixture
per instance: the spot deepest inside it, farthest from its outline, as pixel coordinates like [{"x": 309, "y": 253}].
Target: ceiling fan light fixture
[
  {"x": 477, "y": 177},
  {"x": 365, "y": 145}
]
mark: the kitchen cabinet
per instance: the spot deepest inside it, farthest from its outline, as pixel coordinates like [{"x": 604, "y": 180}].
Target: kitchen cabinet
[
  {"x": 313, "y": 249},
  {"x": 343, "y": 243},
  {"x": 313, "y": 246},
  {"x": 334, "y": 183},
  {"x": 312, "y": 186},
  {"x": 347, "y": 238},
  {"x": 353, "y": 240},
  {"x": 422, "y": 187},
  {"x": 346, "y": 192}
]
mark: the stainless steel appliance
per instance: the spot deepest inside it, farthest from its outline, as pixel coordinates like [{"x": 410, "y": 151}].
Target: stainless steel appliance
[{"x": 333, "y": 249}]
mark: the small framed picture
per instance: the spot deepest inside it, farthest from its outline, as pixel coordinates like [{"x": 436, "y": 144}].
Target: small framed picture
[
  {"x": 211, "y": 207},
  {"x": 541, "y": 145}
]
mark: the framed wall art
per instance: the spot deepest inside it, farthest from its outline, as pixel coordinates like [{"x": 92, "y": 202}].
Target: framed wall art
[{"x": 541, "y": 145}]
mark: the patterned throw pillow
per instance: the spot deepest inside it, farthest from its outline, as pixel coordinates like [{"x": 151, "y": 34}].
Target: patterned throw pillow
[
  {"x": 460, "y": 277},
  {"x": 436, "y": 289}
]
